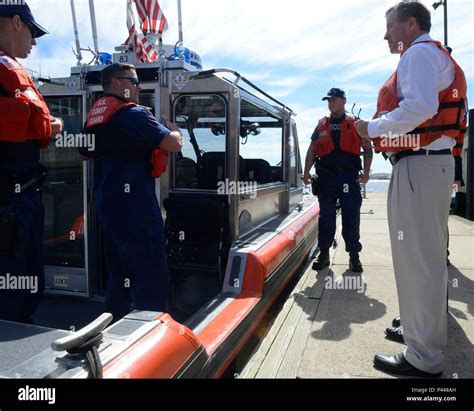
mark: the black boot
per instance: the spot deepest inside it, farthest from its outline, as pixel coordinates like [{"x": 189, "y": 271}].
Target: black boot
[
  {"x": 323, "y": 261},
  {"x": 354, "y": 263}
]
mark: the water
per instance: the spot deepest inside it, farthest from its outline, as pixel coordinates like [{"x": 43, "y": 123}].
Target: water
[
  {"x": 381, "y": 186},
  {"x": 378, "y": 186}
]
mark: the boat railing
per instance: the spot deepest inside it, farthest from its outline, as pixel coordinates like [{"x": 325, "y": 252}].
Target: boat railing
[{"x": 239, "y": 77}]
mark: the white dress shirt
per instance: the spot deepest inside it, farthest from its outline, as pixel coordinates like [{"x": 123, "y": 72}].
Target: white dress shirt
[{"x": 423, "y": 72}]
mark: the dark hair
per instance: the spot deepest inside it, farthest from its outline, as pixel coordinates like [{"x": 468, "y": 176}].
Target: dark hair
[
  {"x": 405, "y": 10},
  {"x": 113, "y": 71}
]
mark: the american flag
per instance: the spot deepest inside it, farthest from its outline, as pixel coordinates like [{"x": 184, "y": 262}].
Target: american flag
[
  {"x": 144, "y": 17},
  {"x": 151, "y": 16}
]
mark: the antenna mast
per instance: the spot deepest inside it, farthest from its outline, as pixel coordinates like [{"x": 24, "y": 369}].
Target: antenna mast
[
  {"x": 76, "y": 34},
  {"x": 94, "y": 28}
]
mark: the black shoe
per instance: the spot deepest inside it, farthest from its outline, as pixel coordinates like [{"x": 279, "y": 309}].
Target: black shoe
[
  {"x": 323, "y": 261},
  {"x": 395, "y": 334},
  {"x": 398, "y": 365},
  {"x": 354, "y": 263},
  {"x": 396, "y": 323}
]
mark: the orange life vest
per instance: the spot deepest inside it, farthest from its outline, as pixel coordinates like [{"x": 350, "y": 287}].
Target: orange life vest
[
  {"x": 103, "y": 111},
  {"x": 350, "y": 141},
  {"x": 24, "y": 115},
  {"x": 450, "y": 121}
]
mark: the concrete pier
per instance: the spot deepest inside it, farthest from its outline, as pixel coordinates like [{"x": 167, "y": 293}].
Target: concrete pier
[{"x": 325, "y": 331}]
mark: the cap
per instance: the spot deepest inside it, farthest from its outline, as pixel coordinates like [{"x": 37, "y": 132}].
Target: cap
[
  {"x": 334, "y": 93},
  {"x": 24, "y": 12}
]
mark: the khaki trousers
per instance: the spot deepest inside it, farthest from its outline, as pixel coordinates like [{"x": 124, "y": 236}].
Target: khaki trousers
[{"x": 418, "y": 210}]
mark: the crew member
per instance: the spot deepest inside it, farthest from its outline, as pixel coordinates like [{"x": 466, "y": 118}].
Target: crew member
[
  {"x": 421, "y": 116},
  {"x": 129, "y": 141},
  {"x": 336, "y": 146},
  {"x": 26, "y": 126}
]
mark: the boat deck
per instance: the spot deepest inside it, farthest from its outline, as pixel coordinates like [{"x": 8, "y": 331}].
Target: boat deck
[{"x": 331, "y": 333}]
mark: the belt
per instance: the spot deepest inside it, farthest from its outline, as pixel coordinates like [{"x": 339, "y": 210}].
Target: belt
[
  {"x": 333, "y": 170},
  {"x": 395, "y": 158}
]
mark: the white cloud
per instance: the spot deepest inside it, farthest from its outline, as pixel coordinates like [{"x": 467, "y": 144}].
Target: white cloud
[
  {"x": 283, "y": 87},
  {"x": 306, "y": 120},
  {"x": 335, "y": 42},
  {"x": 305, "y": 36},
  {"x": 257, "y": 76},
  {"x": 270, "y": 34}
]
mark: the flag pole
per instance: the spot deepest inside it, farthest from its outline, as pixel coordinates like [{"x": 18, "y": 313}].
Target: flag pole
[{"x": 180, "y": 25}]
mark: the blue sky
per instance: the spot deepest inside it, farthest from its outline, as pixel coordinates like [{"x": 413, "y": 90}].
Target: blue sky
[{"x": 296, "y": 50}]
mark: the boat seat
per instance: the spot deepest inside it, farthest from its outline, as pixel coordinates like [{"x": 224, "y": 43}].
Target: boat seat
[
  {"x": 277, "y": 174},
  {"x": 186, "y": 173},
  {"x": 258, "y": 171},
  {"x": 212, "y": 170}
]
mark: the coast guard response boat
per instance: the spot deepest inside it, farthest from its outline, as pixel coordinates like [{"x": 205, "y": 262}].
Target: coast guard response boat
[{"x": 235, "y": 191}]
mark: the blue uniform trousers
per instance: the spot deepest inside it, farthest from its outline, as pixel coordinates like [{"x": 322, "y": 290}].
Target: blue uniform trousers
[
  {"x": 23, "y": 272},
  {"x": 343, "y": 186},
  {"x": 134, "y": 233}
]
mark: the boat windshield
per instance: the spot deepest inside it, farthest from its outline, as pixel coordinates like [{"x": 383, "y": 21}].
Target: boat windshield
[{"x": 202, "y": 121}]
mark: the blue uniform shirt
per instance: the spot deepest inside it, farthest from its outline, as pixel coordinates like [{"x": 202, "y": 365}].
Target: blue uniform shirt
[{"x": 122, "y": 158}]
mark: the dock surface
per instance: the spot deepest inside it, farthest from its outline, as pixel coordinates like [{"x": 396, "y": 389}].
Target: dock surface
[{"x": 323, "y": 332}]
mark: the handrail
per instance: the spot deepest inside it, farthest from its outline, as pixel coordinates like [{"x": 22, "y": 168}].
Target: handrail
[{"x": 208, "y": 73}]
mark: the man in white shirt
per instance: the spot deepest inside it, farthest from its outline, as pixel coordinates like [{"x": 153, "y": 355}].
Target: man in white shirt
[{"x": 413, "y": 121}]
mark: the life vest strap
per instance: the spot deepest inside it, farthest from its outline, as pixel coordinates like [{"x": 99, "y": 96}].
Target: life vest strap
[
  {"x": 436, "y": 129},
  {"x": 460, "y": 111},
  {"x": 452, "y": 104}
]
